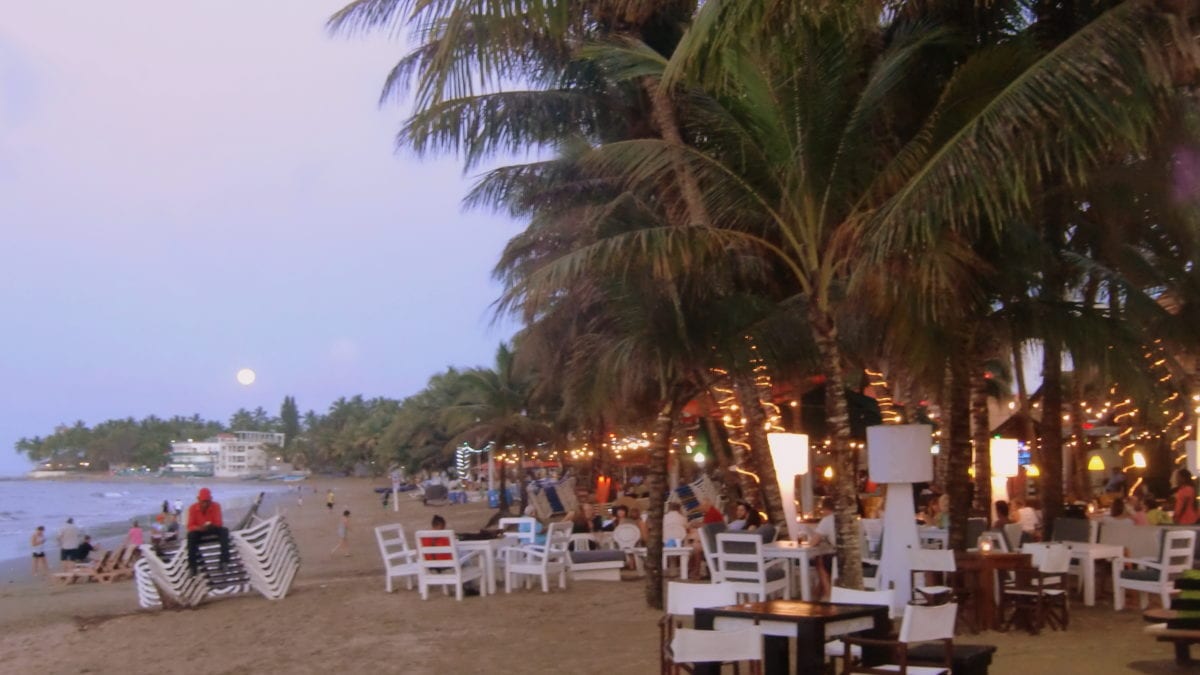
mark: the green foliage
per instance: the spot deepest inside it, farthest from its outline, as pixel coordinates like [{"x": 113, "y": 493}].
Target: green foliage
[
  {"x": 289, "y": 421},
  {"x": 124, "y": 441}
]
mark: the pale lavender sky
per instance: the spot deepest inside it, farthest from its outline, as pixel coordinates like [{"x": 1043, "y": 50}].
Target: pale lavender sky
[{"x": 188, "y": 188}]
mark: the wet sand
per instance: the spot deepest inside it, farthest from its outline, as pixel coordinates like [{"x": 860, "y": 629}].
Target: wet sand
[{"x": 339, "y": 618}]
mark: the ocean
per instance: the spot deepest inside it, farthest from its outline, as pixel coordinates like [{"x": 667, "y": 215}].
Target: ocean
[{"x": 103, "y": 509}]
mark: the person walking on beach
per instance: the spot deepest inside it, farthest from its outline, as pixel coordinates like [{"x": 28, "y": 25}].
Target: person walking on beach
[
  {"x": 38, "y": 543},
  {"x": 178, "y": 507},
  {"x": 204, "y": 522},
  {"x": 329, "y": 499},
  {"x": 68, "y": 540},
  {"x": 343, "y": 534},
  {"x": 299, "y": 496}
]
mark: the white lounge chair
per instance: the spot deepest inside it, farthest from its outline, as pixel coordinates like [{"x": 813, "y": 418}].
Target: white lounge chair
[
  {"x": 1148, "y": 576},
  {"x": 442, "y": 565},
  {"x": 539, "y": 560},
  {"x": 399, "y": 561}
]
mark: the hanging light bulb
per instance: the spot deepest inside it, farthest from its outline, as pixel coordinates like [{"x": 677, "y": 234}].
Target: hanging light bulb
[
  {"x": 1139, "y": 460},
  {"x": 828, "y": 473},
  {"x": 1032, "y": 471}
]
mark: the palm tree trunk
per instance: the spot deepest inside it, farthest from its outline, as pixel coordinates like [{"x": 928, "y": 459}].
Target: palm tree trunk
[
  {"x": 498, "y": 445},
  {"x": 981, "y": 439},
  {"x": 656, "y": 484},
  {"x": 1052, "y": 465},
  {"x": 958, "y": 459},
  {"x": 723, "y": 453},
  {"x": 521, "y": 478},
  {"x": 1023, "y": 404},
  {"x": 849, "y": 547},
  {"x": 771, "y": 499}
]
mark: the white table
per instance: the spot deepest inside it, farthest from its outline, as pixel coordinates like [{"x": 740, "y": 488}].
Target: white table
[
  {"x": 1085, "y": 555},
  {"x": 802, "y": 554},
  {"x": 683, "y": 553},
  {"x": 933, "y": 537},
  {"x": 487, "y": 548}
]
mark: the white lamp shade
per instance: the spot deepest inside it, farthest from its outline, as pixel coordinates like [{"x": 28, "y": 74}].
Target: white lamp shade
[
  {"x": 899, "y": 453},
  {"x": 1004, "y": 456},
  {"x": 1193, "y": 462},
  {"x": 789, "y": 453}
]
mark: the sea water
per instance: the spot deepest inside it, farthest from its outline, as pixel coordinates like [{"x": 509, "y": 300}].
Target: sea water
[{"x": 103, "y": 509}]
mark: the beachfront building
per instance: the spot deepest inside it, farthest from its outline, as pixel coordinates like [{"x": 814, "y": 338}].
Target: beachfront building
[{"x": 236, "y": 455}]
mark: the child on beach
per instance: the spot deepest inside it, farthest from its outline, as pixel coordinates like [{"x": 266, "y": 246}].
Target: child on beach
[
  {"x": 135, "y": 537},
  {"x": 329, "y": 499},
  {"x": 343, "y": 534},
  {"x": 38, "y": 542}
]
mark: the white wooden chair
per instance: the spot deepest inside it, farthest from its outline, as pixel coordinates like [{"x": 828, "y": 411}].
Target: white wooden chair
[
  {"x": 741, "y": 561},
  {"x": 441, "y": 564},
  {"x": 399, "y": 561},
  {"x": 708, "y": 545},
  {"x": 523, "y": 529},
  {"x": 698, "y": 646},
  {"x": 938, "y": 563},
  {"x": 835, "y": 649},
  {"x": 539, "y": 560},
  {"x": 1147, "y": 576},
  {"x": 683, "y": 599},
  {"x": 922, "y": 623}
]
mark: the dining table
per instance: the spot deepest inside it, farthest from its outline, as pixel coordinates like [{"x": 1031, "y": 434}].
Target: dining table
[
  {"x": 980, "y": 568},
  {"x": 800, "y": 555},
  {"x": 810, "y": 624},
  {"x": 487, "y": 548}
]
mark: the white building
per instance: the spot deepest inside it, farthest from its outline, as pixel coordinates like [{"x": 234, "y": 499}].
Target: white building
[{"x": 241, "y": 453}]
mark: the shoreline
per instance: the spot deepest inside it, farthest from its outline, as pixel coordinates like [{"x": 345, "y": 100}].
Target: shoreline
[{"x": 110, "y": 535}]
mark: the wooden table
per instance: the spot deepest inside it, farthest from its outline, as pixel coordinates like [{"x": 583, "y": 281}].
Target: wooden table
[
  {"x": 981, "y": 571},
  {"x": 810, "y": 623}
]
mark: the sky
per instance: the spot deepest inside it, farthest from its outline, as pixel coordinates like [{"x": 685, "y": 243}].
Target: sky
[{"x": 192, "y": 188}]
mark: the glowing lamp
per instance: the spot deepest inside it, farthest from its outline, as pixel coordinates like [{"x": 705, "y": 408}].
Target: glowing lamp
[
  {"x": 1004, "y": 456},
  {"x": 1032, "y": 471},
  {"x": 1139, "y": 460},
  {"x": 789, "y": 453},
  {"x": 828, "y": 472},
  {"x": 1095, "y": 463}
]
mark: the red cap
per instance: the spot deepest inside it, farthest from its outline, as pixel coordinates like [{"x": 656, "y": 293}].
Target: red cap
[{"x": 205, "y": 495}]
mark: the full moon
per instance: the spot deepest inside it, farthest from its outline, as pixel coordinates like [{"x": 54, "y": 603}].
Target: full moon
[{"x": 245, "y": 377}]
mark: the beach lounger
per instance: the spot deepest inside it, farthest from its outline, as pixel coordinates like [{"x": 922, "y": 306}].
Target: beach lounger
[
  {"x": 86, "y": 571},
  {"x": 436, "y": 495}
]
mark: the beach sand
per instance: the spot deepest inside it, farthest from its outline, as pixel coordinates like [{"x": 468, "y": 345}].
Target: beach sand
[{"x": 339, "y": 618}]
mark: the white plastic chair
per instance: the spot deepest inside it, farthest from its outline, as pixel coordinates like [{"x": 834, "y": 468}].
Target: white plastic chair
[
  {"x": 442, "y": 565},
  {"x": 539, "y": 560},
  {"x": 922, "y": 623},
  {"x": 742, "y": 564},
  {"x": 399, "y": 561},
  {"x": 1178, "y": 551},
  {"x": 625, "y": 538}
]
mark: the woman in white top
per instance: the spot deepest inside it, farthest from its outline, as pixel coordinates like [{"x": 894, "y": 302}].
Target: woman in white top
[{"x": 38, "y": 543}]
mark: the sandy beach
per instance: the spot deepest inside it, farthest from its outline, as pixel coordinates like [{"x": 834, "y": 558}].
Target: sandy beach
[{"x": 338, "y": 617}]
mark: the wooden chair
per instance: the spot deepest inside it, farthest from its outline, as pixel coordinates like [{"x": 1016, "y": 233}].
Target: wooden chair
[
  {"x": 441, "y": 565},
  {"x": 1147, "y": 576},
  {"x": 399, "y": 561},
  {"x": 835, "y": 649},
  {"x": 742, "y": 564},
  {"x": 922, "y": 623},
  {"x": 539, "y": 560},
  {"x": 947, "y": 584},
  {"x": 86, "y": 571},
  {"x": 682, "y": 601},
  {"x": 1038, "y": 597}
]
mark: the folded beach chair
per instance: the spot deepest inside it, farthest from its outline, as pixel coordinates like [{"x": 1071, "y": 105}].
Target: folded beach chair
[{"x": 86, "y": 571}]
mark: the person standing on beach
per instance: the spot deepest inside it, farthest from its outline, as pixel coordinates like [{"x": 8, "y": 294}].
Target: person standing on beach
[
  {"x": 329, "y": 499},
  {"x": 204, "y": 522},
  {"x": 135, "y": 537},
  {"x": 38, "y": 543},
  {"x": 178, "y": 507},
  {"x": 343, "y": 534},
  {"x": 68, "y": 540}
]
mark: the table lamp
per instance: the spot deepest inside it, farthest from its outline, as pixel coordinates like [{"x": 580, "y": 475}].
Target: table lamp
[
  {"x": 1004, "y": 466},
  {"x": 898, "y": 455},
  {"x": 789, "y": 453}
]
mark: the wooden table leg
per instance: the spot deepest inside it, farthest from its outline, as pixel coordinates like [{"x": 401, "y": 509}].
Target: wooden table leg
[{"x": 1183, "y": 653}]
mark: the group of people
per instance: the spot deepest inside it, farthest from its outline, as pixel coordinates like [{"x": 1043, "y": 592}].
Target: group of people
[
  {"x": 1142, "y": 508},
  {"x": 74, "y": 547}
]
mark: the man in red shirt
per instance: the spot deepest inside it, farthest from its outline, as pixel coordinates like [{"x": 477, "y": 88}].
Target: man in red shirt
[{"x": 203, "y": 523}]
